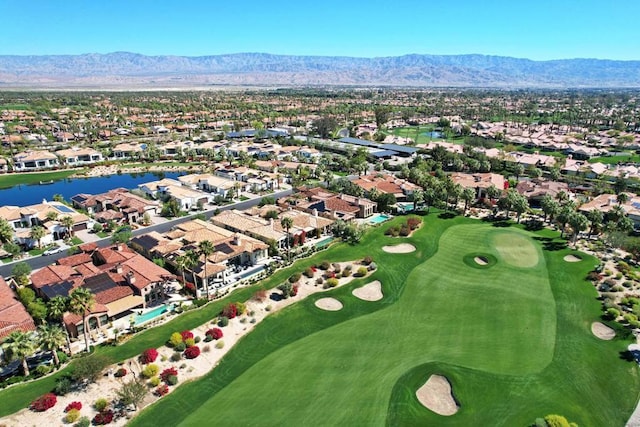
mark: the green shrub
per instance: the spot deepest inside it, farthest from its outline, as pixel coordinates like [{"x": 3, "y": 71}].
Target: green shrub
[
  {"x": 42, "y": 370},
  {"x": 556, "y": 421},
  {"x": 176, "y": 357},
  {"x": 63, "y": 385},
  {"x": 101, "y": 404},
  {"x": 189, "y": 342},
  {"x": 196, "y": 340},
  {"x": 268, "y": 308},
  {"x": 332, "y": 283},
  {"x": 367, "y": 260},
  {"x": 181, "y": 346},
  {"x": 83, "y": 422},
  {"x": 612, "y": 313},
  {"x": 172, "y": 379},
  {"x": 241, "y": 308},
  {"x": 175, "y": 339},
  {"x": 150, "y": 371},
  {"x": 154, "y": 381},
  {"x": 219, "y": 344},
  {"x": 62, "y": 357},
  {"x": 346, "y": 273},
  {"x": 324, "y": 265},
  {"x": 224, "y": 321},
  {"x": 294, "y": 277},
  {"x": 362, "y": 271},
  {"x": 308, "y": 272},
  {"x": 319, "y": 280},
  {"x": 72, "y": 416}
]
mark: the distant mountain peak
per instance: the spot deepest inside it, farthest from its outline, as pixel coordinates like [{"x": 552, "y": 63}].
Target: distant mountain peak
[{"x": 129, "y": 69}]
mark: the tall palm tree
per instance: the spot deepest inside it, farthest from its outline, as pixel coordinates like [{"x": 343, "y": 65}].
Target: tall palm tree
[
  {"x": 18, "y": 345},
  {"x": 51, "y": 338},
  {"x": 56, "y": 307},
  {"x": 81, "y": 302},
  {"x": 181, "y": 262},
  {"x": 67, "y": 222},
  {"x": 622, "y": 198},
  {"x": 6, "y": 231},
  {"x": 37, "y": 233},
  {"x": 468, "y": 195},
  {"x": 287, "y": 223},
  {"x": 206, "y": 248}
]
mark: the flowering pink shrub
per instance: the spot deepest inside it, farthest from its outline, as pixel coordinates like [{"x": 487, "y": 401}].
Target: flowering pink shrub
[
  {"x": 73, "y": 405},
  {"x": 230, "y": 311},
  {"x": 214, "y": 333},
  {"x": 186, "y": 335},
  {"x": 161, "y": 390},
  {"x": 149, "y": 356},
  {"x": 164, "y": 375},
  {"x": 192, "y": 352},
  {"x": 44, "y": 402}
]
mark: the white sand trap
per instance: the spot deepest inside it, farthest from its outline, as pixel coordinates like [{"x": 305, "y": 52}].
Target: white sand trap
[
  {"x": 369, "y": 292},
  {"x": 436, "y": 395},
  {"x": 402, "y": 248},
  {"x": 602, "y": 331},
  {"x": 329, "y": 304},
  {"x": 480, "y": 260},
  {"x": 572, "y": 258}
]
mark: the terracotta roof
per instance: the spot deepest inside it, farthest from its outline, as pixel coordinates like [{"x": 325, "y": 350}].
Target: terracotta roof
[
  {"x": 51, "y": 274},
  {"x": 113, "y": 294},
  {"x": 74, "y": 260},
  {"x": 13, "y": 315}
]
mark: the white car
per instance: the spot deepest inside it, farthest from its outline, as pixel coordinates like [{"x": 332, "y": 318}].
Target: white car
[{"x": 52, "y": 250}]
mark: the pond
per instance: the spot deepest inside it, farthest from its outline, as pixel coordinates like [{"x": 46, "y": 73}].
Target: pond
[
  {"x": 24, "y": 195},
  {"x": 433, "y": 134}
]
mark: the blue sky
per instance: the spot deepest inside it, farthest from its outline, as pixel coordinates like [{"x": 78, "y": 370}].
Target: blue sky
[{"x": 538, "y": 30}]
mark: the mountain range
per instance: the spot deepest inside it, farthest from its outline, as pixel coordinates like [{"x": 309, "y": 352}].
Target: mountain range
[{"x": 132, "y": 70}]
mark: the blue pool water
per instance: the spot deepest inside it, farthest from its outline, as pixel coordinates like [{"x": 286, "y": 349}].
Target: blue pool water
[
  {"x": 152, "y": 314},
  {"x": 378, "y": 218}
]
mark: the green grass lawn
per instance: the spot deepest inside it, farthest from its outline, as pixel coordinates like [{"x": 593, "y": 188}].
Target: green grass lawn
[
  {"x": 417, "y": 133},
  {"x": 513, "y": 338},
  {"x": 612, "y": 160},
  {"x": 11, "y": 180}
]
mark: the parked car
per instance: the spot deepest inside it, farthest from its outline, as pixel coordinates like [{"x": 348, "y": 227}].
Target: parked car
[{"x": 52, "y": 250}]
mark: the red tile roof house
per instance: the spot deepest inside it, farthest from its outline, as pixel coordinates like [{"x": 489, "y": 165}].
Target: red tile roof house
[
  {"x": 120, "y": 279},
  {"x": 13, "y": 315}
]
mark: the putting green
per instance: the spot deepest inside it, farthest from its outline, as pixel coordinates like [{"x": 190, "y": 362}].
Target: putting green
[
  {"x": 513, "y": 340},
  {"x": 515, "y": 249}
]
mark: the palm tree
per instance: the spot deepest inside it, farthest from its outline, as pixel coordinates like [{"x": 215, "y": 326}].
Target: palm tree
[
  {"x": 6, "y": 232},
  {"x": 206, "y": 248},
  {"x": 578, "y": 223},
  {"x": 81, "y": 302},
  {"x": 287, "y": 223},
  {"x": 18, "y": 345},
  {"x": 51, "y": 338},
  {"x": 67, "y": 222},
  {"x": 37, "y": 233},
  {"x": 468, "y": 195},
  {"x": 595, "y": 217},
  {"x": 181, "y": 262},
  {"x": 622, "y": 198},
  {"x": 56, "y": 307}
]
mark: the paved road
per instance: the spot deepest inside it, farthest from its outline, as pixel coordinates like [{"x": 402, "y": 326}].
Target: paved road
[{"x": 42, "y": 261}]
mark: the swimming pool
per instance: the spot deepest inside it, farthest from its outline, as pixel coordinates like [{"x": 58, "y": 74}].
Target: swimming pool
[
  {"x": 378, "y": 218},
  {"x": 152, "y": 314}
]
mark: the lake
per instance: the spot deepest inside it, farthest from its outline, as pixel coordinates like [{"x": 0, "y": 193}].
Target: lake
[{"x": 23, "y": 195}]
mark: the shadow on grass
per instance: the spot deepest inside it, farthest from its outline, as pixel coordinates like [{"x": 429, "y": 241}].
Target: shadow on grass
[
  {"x": 534, "y": 225},
  {"x": 629, "y": 356},
  {"x": 447, "y": 215},
  {"x": 554, "y": 245}
]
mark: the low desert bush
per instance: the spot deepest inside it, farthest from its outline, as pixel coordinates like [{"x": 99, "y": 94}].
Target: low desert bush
[
  {"x": 73, "y": 405},
  {"x": 214, "y": 333},
  {"x": 192, "y": 352},
  {"x": 150, "y": 371},
  {"x": 154, "y": 381},
  {"x": 72, "y": 416},
  {"x": 103, "y": 418},
  {"x": 101, "y": 404},
  {"x": 220, "y": 344},
  {"x": 44, "y": 402},
  {"x": 149, "y": 356}
]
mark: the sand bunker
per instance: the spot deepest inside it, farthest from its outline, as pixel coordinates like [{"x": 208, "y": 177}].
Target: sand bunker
[
  {"x": 402, "y": 248},
  {"x": 572, "y": 258},
  {"x": 329, "y": 304},
  {"x": 369, "y": 292},
  {"x": 436, "y": 395},
  {"x": 602, "y": 331},
  {"x": 480, "y": 260}
]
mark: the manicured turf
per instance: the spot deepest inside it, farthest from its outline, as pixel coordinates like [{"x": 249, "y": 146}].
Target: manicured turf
[
  {"x": 11, "y": 180},
  {"x": 514, "y": 340},
  {"x": 612, "y": 160}
]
